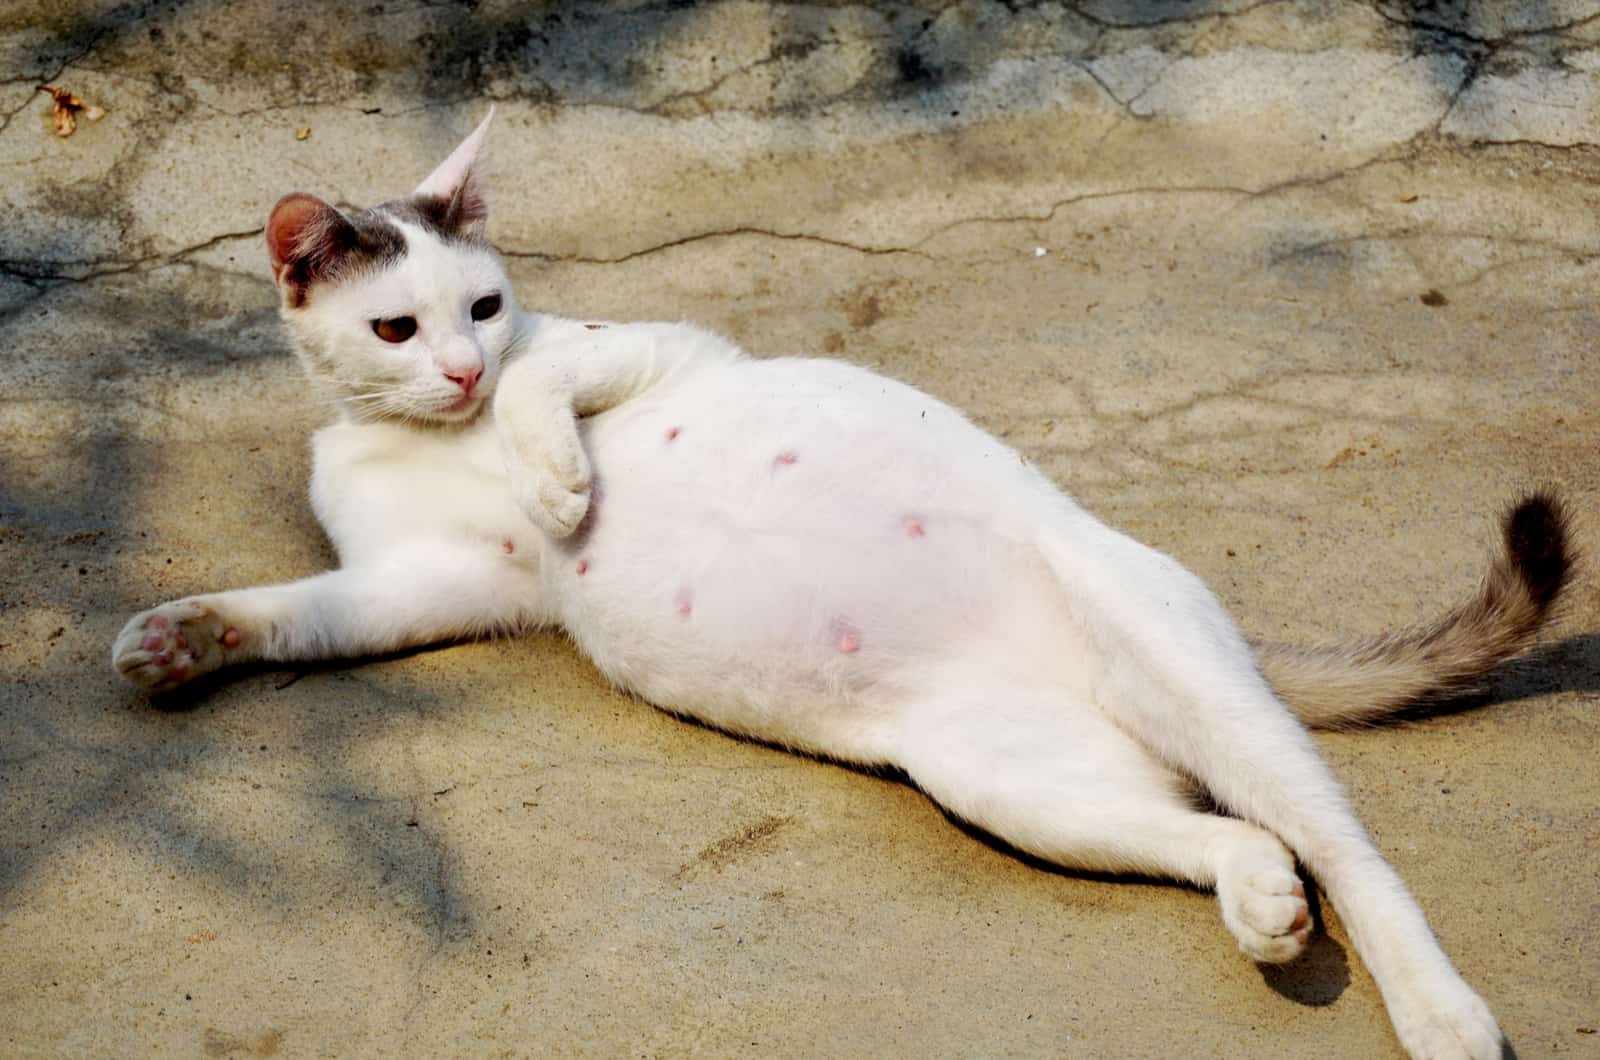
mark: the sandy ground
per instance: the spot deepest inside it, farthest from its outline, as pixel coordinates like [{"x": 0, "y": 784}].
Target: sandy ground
[{"x": 1300, "y": 293}]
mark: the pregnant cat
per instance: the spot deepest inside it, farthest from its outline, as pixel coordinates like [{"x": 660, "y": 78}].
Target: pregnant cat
[{"x": 808, "y": 553}]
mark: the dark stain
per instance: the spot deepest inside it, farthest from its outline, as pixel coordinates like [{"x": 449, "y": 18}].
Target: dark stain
[
  {"x": 862, "y": 308},
  {"x": 215, "y": 1043},
  {"x": 1433, "y": 299},
  {"x": 916, "y": 70},
  {"x": 735, "y": 847}
]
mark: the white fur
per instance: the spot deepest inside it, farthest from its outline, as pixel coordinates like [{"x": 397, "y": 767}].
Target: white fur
[{"x": 814, "y": 555}]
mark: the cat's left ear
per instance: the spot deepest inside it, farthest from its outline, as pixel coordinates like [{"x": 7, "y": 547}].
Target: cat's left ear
[{"x": 453, "y": 193}]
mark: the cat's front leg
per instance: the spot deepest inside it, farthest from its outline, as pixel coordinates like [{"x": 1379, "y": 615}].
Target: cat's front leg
[
  {"x": 543, "y": 452},
  {"x": 582, "y": 370},
  {"x": 421, "y": 592}
]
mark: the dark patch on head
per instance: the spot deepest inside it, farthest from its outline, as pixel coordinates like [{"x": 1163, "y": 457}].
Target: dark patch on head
[
  {"x": 341, "y": 247},
  {"x": 1537, "y": 541},
  {"x": 452, "y": 220}
]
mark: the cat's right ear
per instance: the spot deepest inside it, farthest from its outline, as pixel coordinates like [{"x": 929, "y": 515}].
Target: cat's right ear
[
  {"x": 305, "y": 237},
  {"x": 452, "y": 195}
]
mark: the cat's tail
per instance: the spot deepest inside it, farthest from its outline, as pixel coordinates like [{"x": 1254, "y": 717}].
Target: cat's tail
[{"x": 1345, "y": 686}]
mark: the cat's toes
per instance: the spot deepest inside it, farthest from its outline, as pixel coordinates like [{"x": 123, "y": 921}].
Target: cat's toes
[
  {"x": 569, "y": 467},
  {"x": 1267, "y": 912},
  {"x": 160, "y": 649},
  {"x": 551, "y": 506},
  {"x": 1438, "y": 1017}
]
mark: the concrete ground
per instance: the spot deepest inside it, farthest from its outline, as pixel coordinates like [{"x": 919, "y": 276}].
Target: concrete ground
[{"x": 1302, "y": 293}]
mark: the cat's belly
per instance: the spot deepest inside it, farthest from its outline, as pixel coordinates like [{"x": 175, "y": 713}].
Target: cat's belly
[{"x": 782, "y": 547}]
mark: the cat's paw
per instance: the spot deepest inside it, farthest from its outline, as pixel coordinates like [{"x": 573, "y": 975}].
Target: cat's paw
[
  {"x": 1265, "y": 908},
  {"x": 552, "y": 507},
  {"x": 162, "y": 648},
  {"x": 552, "y": 486},
  {"x": 1438, "y": 1017}
]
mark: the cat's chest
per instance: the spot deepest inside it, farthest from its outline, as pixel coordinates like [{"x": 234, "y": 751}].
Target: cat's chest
[{"x": 373, "y": 486}]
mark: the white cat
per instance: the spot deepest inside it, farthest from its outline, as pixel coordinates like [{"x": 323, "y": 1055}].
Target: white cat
[{"x": 819, "y": 557}]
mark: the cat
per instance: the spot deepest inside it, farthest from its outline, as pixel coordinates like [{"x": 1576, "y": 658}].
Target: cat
[{"x": 813, "y": 555}]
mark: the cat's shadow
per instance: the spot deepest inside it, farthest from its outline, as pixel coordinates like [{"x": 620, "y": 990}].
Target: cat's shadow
[
  {"x": 1571, "y": 664},
  {"x": 1322, "y": 973},
  {"x": 1316, "y": 978}
]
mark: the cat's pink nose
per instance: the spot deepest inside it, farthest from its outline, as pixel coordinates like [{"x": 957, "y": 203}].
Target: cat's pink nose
[{"x": 466, "y": 379}]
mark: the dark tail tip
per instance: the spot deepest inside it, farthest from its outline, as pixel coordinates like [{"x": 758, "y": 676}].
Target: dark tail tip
[{"x": 1538, "y": 544}]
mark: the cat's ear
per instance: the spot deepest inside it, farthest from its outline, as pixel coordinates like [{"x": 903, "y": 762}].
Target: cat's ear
[
  {"x": 453, "y": 193},
  {"x": 305, "y": 237}
]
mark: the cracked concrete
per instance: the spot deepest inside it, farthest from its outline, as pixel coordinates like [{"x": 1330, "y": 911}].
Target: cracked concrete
[{"x": 1300, "y": 293}]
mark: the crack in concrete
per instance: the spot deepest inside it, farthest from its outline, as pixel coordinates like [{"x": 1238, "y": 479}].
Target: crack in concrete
[
  {"x": 1582, "y": 145},
  {"x": 1171, "y": 20},
  {"x": 1087, "y": 67},
  {"x": 718, "y": 233},
  {"x": 1046, "y": 215},
  {"x": 1416, "y": 25},
  {"x": 778, "y": 52},
  {"x": 26, "y": 272}
]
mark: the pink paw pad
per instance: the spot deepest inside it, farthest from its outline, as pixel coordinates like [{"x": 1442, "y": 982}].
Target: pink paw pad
[
  {"x": 785, "y": 458},
  {"x": 151, "y": 641},
  {"x": 912, "y": 526},
  {"x": 672, "y": 434},
  {"x": 156, "y": 622},
  {"x": 849, "y": 642},
  {"x": 231, "y": 638}
]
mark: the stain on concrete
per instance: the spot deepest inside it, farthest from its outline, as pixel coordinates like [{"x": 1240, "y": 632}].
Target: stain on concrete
[{"x": 745, "y": 843}]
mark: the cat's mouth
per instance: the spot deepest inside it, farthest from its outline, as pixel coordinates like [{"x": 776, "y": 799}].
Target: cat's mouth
[{"x": 461, "y": 406}]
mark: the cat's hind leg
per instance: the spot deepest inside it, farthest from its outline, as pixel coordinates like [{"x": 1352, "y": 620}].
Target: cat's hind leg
[
  {"x": 1175, "y": 674},
  {"x": 1058, "y": 780}
]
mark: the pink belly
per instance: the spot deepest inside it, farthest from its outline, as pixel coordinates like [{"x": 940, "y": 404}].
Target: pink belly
[{"x": 773, "y": 536}]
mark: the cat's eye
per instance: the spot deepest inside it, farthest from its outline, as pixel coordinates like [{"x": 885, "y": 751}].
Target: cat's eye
[
  {"x": 486, "y": 307},
  {"x": 395, "y": 329}
]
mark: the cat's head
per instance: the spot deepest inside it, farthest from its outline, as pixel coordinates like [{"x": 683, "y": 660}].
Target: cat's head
[{"x": 403, "y": 310}]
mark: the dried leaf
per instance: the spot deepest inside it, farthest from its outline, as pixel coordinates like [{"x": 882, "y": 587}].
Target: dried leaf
[
  {"x": 303, "y": 133},
  {"x": 66, "y": 105}
]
